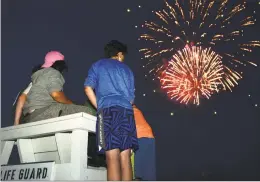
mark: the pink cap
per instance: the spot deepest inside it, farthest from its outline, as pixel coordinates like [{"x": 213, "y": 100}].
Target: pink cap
[{"x": 52, "y": 57}]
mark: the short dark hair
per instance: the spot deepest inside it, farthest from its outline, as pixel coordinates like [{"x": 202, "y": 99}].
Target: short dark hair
[
  {"x": 113, "y": 48},
  {"x": 61, "y": 66}
]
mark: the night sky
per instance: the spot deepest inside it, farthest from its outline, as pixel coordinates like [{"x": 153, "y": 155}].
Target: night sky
[{"x": 219, "y": 140}]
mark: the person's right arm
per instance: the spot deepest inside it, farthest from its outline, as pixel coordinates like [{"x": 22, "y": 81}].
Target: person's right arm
[
  {"x": 90, "y": 84},
  {"x": 60, "y": 97},
  {"x": 55, "y": 84},
  {"x": 91, "y": 96}
]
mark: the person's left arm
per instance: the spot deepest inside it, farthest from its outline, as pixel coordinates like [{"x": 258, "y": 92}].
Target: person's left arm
[
  {"x": 19, "y": 108},
  {"x": 20, "y": 103}
]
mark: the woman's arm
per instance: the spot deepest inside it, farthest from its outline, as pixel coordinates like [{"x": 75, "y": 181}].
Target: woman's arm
[{"x": 19, "y": 108}]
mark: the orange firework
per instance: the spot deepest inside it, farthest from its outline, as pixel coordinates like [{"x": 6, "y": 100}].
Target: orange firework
[{"x": 193, "y": 73}]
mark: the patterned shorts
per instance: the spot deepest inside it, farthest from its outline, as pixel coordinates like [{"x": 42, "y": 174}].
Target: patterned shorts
[{"x": 116, "y": 129}]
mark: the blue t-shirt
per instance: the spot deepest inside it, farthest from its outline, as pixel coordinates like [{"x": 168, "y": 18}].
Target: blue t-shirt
[{"x": 113, "y": 82}]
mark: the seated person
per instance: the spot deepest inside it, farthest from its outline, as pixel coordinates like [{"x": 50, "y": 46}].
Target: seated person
[
  {"x": 46, "y": 99},
  {"x": 50, "y": 58}
]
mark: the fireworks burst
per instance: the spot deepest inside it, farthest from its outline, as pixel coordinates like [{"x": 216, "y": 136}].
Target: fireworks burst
[
  {"x": 192, "y": 73},
  {"x": 216, "y": 24}
]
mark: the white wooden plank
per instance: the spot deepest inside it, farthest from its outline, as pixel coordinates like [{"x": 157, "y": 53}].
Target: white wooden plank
[
  {"x": 2, "y": 146},
  {"x": 47, "y": 156},
  {"x": 99, "y": 174},
  {"x": 25, "y": 150},
  {"x": 63, "y": 141},
  {"x": 43, "y": 128},
  {"x": 79, "y": 154},
  {"x": 57, "y": 119},
  {"x": 44, "y": 144},
  {"x": 6, "y": 151},
  {"x": 63, "y": 172}
]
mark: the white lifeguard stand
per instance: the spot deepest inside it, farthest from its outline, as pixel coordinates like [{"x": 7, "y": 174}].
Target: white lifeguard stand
[{"x": 52, "y": 149}]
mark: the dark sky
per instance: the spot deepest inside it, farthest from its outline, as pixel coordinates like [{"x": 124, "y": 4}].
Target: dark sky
[{"x": 194, "y": 143}]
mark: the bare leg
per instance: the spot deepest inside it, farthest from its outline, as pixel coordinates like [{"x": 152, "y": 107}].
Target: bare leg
[
  {"x": 113, "y": 165},
  {"x": 126, "y": 167}
]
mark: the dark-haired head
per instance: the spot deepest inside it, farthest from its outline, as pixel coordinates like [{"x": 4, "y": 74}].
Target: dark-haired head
[
  {"x": 115, "y": 50},
  {"x": 61, "y": 66}
]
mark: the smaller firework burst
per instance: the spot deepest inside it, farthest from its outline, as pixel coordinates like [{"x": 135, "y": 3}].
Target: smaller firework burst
[{"x": 193, "y": 73}]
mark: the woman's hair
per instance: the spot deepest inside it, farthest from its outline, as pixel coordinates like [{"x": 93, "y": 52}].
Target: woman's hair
[
  {"x": 61, "y": 66},
  {"x": 113, "y": 48}
]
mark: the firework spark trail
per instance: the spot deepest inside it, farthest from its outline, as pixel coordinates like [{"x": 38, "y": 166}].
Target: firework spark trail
[
  {"x": 204, "y": 22},
  {"x": 192, "y": 73},
  {"x": 221, "y": 9}
]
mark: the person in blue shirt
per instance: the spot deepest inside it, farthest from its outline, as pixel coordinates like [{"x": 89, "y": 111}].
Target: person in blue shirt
[{"x": 110, "y": 88}]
